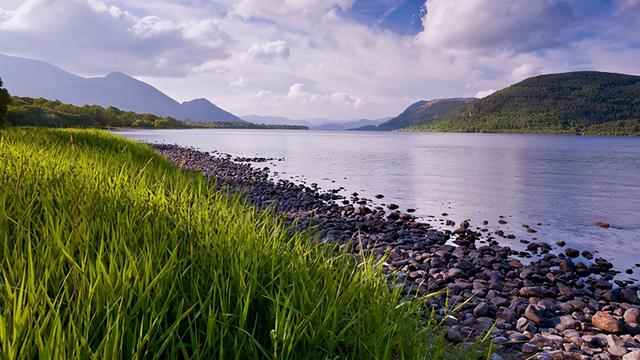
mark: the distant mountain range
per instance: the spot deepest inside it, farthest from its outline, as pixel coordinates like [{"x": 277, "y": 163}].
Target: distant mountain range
[
  {"x": 33, "y": 78},
  {"x": 421, "y": 113},
  {"x": 576, "y": 102},
  {"x": 314, "y": 123}
]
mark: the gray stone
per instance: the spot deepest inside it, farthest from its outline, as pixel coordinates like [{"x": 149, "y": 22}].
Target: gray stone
[
  {"x": 566, "y": 322},
  {"x": 454, "y": 336},
  {"x": 534, "y": 314},
  {"x": 616, "y": 346},
  {"x": 481, "y": 309},
  {"x": 632, "y": 316},
  {"x": 634, "y": 354}
]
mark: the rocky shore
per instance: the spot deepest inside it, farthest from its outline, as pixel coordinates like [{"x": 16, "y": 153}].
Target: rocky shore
[{"x": 563, "y": 305}]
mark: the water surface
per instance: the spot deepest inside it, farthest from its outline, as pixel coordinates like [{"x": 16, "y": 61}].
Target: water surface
[{"x": 565, "y": 183}]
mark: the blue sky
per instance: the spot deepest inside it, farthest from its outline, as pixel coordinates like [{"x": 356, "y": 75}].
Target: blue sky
[
  {"x": 339, "y": 59},
  {"x": 400, "y": 16}
]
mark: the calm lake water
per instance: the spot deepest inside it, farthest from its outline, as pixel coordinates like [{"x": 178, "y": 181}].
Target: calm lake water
[{"x": 564, "y": 183}]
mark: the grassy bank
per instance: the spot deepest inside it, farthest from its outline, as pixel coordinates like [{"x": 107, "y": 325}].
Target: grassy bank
[{"x": 109, "y": 252}]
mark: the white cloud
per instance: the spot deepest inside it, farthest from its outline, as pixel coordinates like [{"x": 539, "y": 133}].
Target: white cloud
[
  {"x": 92, "y": 36},
  {"x": 494, "y": 25},
  {"x": 524, "y": 71},
  {"x": 239, "y": 82},
  {"x": 287, "y": 10},
  {"x": 305, "y": 59},
  {"x": 484, "y": 93},
  {"x": 269, "y": 50}
]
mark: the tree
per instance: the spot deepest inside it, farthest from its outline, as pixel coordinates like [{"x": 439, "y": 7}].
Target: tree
[{"x": 4, "y": 103}]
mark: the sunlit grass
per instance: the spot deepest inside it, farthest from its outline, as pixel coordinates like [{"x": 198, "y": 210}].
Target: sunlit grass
[{"x": 107, "y": 251}]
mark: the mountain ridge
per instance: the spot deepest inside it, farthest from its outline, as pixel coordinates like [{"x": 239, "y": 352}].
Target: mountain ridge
[
  {"x": 573, "y": 102},
  {"x": 420, "y": 113},
  {"x": 35, "y": 78}
]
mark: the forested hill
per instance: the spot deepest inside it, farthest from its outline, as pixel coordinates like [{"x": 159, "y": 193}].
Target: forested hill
[
  {"x": 576, "y": 102},
  {"x": 423, "y": 113}
]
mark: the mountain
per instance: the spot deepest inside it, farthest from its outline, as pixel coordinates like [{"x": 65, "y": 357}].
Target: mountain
[
  {"x": 313, "y": 123},
  {"x": 33, "y": 78},
  {"x": 422, "y": 112},
  {"x": 350, "y": 124},
  {"x": 271, "y": 120},
  {"x": 575, "y": 102}
]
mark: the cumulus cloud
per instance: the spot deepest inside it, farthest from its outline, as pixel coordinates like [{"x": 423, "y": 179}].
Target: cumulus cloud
[
  {"x": 518, "y": 25},
  {"x": 284, "y": 9},
  {"x": 93, "y": 36},
  {"x": 308, "y": 58},
  {"x": 524, "y": 71},
  {"x": 269, "y": 50}
]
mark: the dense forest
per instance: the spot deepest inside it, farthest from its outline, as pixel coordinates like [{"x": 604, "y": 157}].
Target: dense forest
[
  {"x": 578, "y": 102},
  {"x": 424, "y": 113},
  {"x": 49, "y": 113}
]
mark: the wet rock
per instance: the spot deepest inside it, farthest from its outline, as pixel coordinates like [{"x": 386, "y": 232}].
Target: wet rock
[
  {"x": 606, "y": 322},
  {"x": 630, "y": 296},
  {"x": 572, "y": 253},
  {"x": 587, "y": 255}
]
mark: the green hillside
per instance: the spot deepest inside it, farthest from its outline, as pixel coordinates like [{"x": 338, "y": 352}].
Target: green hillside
[
  {"x": 577, "y": 102},
  {"x": 423, "y": 113},
  {"x": 23, "y": 111},
  {"x": 109, "y": 252}
]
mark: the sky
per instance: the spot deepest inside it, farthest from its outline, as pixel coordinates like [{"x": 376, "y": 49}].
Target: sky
[{"x": 337, "y": 59}]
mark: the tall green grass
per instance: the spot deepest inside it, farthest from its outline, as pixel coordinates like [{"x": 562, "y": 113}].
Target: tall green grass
[{"x": 107, "y": 251}]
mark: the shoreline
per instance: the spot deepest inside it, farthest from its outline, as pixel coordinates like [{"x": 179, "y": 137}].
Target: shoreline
[{"x": 552, "y": 306}]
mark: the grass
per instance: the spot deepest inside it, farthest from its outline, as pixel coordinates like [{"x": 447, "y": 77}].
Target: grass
[{"x": 107, "y": 251}]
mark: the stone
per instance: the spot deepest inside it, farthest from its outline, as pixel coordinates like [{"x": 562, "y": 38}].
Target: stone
[
  {"x": 481, "y": 309},
  {"x": 531, "y": 291},
  {"x": 632, "y": 316},
  {"x": 572, "y": 253},
  {"x": 634, "y": 354},
  {"x": 616, "y": 346},
  {"x": 521, "y": 324},
  {"x": 454, "y": 336},
  {"x": 566, "y": 322},
  {"x": 595, "y": 340},
  {"x": 630, "y": 296},
  {"x": 535, "y": 314},
  {"x": 606, "y": 322},
  {"x": 529, "y": 348}
]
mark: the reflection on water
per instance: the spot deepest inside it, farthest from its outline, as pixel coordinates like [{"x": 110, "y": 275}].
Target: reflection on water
[{"x": 565, "y": 183}]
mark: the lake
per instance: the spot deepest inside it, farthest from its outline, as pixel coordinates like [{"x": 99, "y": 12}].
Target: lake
[{"x": 559, "y": 185}]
